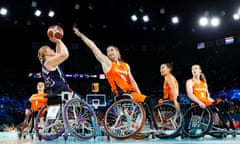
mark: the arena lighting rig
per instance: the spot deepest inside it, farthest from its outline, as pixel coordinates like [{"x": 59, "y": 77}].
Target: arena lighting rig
[{"x": 138, "y": 13}]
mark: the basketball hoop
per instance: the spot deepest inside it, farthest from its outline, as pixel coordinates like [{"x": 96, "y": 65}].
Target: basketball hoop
[{"x": 95, "y": 103}]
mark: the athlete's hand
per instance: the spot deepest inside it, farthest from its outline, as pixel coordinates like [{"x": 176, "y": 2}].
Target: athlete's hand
[{"x": 202, "y": 105}]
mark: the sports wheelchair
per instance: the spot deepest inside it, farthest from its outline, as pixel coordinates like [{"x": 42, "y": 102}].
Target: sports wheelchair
[
  {"x": 167, "y": 121},
  {"x": 126, "y": 118},
  {"x": 27, "y": 128},
  {"x": 66, "y": 114},
  {"x": 32, "y": 107},
  {"x": 198, "y": 122}
]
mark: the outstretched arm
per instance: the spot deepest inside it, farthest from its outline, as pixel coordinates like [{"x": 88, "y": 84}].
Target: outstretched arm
[{"x": 103, "y": 59}]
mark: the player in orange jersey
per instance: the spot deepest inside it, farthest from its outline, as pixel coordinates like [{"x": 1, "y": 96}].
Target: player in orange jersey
[
  {"x": 197, "y": 91},
  {"x": 36, "y": 101},
  {"x": 117, "y": 71},
  {"x": 197, "y": 88},
  {"x": 170, "y": 85}
]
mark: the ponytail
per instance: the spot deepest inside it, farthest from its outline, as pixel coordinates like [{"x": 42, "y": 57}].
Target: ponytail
[{"x": 203, "y": 78}]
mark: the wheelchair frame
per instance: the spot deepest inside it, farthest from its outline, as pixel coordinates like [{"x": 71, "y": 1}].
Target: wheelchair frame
[
  {"x": 29, "y": 129},
  {"x": 126, "y": 118},
  {"x": 198, "y": 122},
  {"x": 68, "y": 115}
]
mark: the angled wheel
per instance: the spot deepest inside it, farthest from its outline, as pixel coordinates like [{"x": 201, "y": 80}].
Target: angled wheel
[
  {"x": 124, "y": 119},
  {"x": 28, "y": 126},
  {"x": 80, "y": 119},
  {"x": 168, "y": 120},
  {"x": 49, "y": 127},
  {"x": 197, "y": 121}
]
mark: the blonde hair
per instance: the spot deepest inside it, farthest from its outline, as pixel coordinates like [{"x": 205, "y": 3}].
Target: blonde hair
[
  {"x": 203, "y": 78},
  {"x": 40, "y": 82},
  {"x": 41, "y": 52}
]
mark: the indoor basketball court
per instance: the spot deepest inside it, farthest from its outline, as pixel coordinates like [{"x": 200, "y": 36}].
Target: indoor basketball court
[{"x": 12, "y": 138}]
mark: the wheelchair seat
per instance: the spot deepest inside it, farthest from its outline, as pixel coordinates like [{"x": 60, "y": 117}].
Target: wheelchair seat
[{"x": 123, "y": 96}]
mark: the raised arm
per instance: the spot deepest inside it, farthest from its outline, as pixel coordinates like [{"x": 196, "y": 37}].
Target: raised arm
[
  {"x": 102, "y": 58},
  {"x": 60, "y": 56}
]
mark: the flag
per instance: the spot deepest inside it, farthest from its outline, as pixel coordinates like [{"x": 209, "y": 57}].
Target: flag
[
  {"x": 201, "y": 45},
  {"x": 229, "y": 40}
]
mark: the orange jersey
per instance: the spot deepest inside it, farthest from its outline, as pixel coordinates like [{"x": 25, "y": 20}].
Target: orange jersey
[
  {"x": 167, "y": 91},
  {"x": 37, "y": 101},
  {"x": 118, "y": 78},
  {"x": 200, "y": 91}
]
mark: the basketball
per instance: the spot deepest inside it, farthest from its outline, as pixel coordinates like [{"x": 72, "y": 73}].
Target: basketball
[{"x": 55, "y": 31}]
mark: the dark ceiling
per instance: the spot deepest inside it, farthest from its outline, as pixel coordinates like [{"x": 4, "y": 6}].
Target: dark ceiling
[
  {"x": 111, "y": 18},
  {"x": 108, "y": 21}
]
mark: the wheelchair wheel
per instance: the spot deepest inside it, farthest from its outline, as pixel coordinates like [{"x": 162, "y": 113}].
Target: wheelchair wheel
[
  {"x": 49, "y": 128},
  {"x": 80, "y": 119},
  {"x": 168, "y": 120},
  {"x": 197, "y": 121},
  {"x": 124, "y": 119}
]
